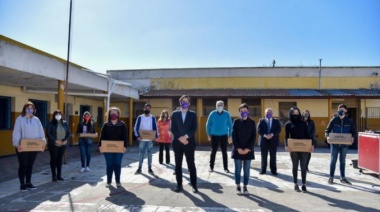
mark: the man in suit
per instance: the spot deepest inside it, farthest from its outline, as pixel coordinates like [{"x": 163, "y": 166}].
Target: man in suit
[
  {"x": 183, "y": 127},
  {"x": 269, "y": 130}
]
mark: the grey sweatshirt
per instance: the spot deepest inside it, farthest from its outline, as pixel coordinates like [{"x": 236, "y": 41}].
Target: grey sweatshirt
[{"x": 27, "y": 128}]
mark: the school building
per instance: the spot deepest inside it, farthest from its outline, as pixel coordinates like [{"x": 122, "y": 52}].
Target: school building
[{"x": 29, "y": 74}]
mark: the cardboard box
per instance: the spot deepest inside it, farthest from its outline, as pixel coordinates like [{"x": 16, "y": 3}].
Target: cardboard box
[
  {"x": 88, "y": 135},
  {"x": 299, "y": 145},
  {"x": 340, "y": 138},
  {"x": 112, "y": 146},
  {"x": 32, "y": 145},
  {"x": 148, "y": 135}
]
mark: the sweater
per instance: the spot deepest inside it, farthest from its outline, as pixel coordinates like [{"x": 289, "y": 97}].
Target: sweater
[
  {"x": 219, "y": 123},
  {"x": 27, "y": 129},
  {"x": 297, "y": 130},
  {"x": 117, "y": 132}
]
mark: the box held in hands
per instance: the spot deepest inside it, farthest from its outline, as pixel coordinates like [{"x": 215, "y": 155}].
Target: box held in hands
[
  {"x": 299, "y": 145},
  {"x": 112, "y": 146},
  {"x": 32, "y": 145}
]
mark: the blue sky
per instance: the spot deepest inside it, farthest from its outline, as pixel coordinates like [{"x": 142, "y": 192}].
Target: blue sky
[{"x": 125, "y": 34}]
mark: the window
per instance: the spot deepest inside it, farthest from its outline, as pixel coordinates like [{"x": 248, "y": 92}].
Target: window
[
  {"x": 5, "y": 113},
  {"x": 100, "y": 116},
  {"x": 193, "y": 104},
  {"x": 284, "y": 108},
  {"x": 41, "y": 111},
  {"x": 254, "y": 106},
  {"x": 84, "y": 108},
  {"x": 210, "y": 105}
]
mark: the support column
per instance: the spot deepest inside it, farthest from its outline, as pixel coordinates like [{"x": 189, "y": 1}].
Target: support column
[
  {"x": 329, "y": 109},
  {"x": 263, "y": 108},
  {"x": 61, "y": 96},
  {"x": 199, "y": 115},
  {"x": 104, "y": 110},
  {"x": 130, "y": 129}
]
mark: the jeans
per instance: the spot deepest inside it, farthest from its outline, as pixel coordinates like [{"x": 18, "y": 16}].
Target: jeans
[
  {"x": 215, "y": 141},
  {"x": 113, "y": 161},
  {"x": 25, "y": 169},
  {"x": 56, "y": 157},
  {"x": 85, "y": 147},
  {"x": 342, "y": 150},
  {"x": 145, "y": 146},
  {"x": 246, "y": 164},
  {"x": 167, "y": 153},
  {"x": 299, "y": 158}
]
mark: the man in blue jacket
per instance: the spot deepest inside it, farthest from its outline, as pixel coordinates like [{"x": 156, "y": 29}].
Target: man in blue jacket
[
  {"x": 219, "y": 129},
  {"x": 340, "y": 124}
]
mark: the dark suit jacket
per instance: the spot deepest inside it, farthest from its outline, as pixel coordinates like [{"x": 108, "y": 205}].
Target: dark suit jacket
[
  {"x": 180, "y": 128},
  {"x": 275, "y": 128}
]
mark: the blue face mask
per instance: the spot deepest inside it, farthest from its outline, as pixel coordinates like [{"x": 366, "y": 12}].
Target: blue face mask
[
  {"x": 29, "y": 111},
  {"x": 340, "y": 112},
  {"x": 185, "y": 105}
]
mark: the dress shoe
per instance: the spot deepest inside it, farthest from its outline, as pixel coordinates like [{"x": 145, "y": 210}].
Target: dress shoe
[
  {"x": 60, "y": 178},
  {"x": 54, "y": 179},
  {"x": 226, "y": 170},
  {"x": 274, "y": 173},
  {"x": 262, "y": 172},
  {"x": 195, "y": 189},
  {"x": 178, "y": 189}
]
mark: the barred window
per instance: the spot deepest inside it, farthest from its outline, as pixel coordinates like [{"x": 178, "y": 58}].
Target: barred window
[{"x": 254, "y": 105}]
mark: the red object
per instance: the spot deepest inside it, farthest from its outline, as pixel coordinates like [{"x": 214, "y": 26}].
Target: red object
[
  {"x": 163, "y": 132},
  {"x": 368, "y": 152}
]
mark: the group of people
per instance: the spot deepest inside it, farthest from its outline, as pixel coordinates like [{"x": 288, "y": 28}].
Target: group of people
[{"x": 179, "y": 130}]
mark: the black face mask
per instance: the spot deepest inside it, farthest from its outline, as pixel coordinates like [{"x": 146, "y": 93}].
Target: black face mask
[
  {"x": 146, "y": 112},
  {"x": 294, "y": 117}
]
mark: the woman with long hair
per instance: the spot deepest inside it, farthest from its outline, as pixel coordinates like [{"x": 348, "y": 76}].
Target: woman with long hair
[
  {"x": 58, "y": 133},
  {"x": 164, "y": 136},
  {"x": 85, "y": 143}
]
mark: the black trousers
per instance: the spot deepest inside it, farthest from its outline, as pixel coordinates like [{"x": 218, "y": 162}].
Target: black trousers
[
  {"x": 167, "y": 153},
  {"x": 25, "y": 168},
  {"x": 299, "y": 158},
  {"x": 308, "y": 161},
  {"x": 56, "y": 157},
  {"x": 268, "y": 146},
  {"x": 215, "y": 142},
  {"x": 188, "y": 151}
]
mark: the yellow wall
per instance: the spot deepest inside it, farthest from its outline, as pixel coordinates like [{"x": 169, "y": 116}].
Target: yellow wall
[
  {"x": 233, "y": 107},
  {"x": 263, "y": 82}
]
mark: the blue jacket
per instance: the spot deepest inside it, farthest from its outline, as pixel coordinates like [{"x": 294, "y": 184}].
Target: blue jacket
[
  {"x": 219, "y": 123},
  {"x": 338, "y": 125}
]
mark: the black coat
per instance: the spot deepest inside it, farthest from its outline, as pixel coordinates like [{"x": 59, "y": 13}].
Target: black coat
[
  {"x": 51, "y": 131},
  {"x": 243, "y": 137}
]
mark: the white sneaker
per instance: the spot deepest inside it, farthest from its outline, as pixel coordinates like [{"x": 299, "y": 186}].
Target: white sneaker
[
  {"x": 88, "y": 169},
  {"x": 82, "y": 170}
]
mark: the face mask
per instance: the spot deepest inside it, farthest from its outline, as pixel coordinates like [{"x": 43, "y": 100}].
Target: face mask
[
  {"x": 219, "y": 108},
  {"x": 269, "y": 115},
  {"x": 114, "y": 117},
  {"x": 341, "y": 112},
  {"x": 87, "y": 118},
  {"x": 184, "y": 105},
  {"x": 58, "y": 117},
  {"x": 146, "y": 112},
  {"x": 165, "y": 116},
  {"x": 29, "y": 111},
  {"x": 294, "y": 117},
  {"x": 244, "y": 114},
  {"x": 306, "y": 115}
]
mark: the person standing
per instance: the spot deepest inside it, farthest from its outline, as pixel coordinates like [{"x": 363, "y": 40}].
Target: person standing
[
  {"x": 115, "y": 130},
  {"x": 296, "y": 128},
  {"x": 340, "y": 124},
  {"x": 27, "y": 126},
  {"x": 269, "y": 129},
  {"x": 58, "y": 133},
  {"x": 243, "y": 139},
  {"x": 183, "y": 126},
  {"x": 164, "y": 138},
  {"x": 86, "y": 143},
  {"x": 219, "y": 129},
  {"x": 311, "y": 129},
  {"x": 145, "y": 122}
]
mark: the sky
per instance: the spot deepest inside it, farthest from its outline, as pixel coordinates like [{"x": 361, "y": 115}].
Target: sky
[{"x": 142, "y": 34}]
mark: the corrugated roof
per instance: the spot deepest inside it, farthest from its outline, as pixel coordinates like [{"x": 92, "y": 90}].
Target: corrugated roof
[{"x": 263, "y": 93}]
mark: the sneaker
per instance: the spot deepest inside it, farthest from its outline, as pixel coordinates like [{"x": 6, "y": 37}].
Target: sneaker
[
  {"x": 331, "y": 180},
  {"x": 345, "y": 181},
  {"x": 238, "y": 190},
  {"x": 138, "y": 171},
  {"x": 226, "y": 170},
  {"x": 118, "y": 184},
  {"x": 296, "y": 188},
  {"x": 303, "y": 189},
  {"x": 23, "y": 188},
  {"x": 150, "y": 171},
  {"x": 108, "y": 185},
  {"x": 245, "y": 190},
  {"x": 82, "y": 170},
  {"x": 88, "y": 169},
  {"x": 211, "y": 169},
  {"x": 30, "y": 186}
]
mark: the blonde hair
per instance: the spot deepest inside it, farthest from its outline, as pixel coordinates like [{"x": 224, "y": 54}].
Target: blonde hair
[{"x": 162, "y": 115}]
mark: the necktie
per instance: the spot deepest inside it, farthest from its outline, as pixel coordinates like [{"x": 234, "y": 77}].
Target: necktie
[{"x": 268, "y": 126}]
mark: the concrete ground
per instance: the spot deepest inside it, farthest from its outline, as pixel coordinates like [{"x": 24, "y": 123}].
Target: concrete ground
[{"x": 144, "y": 192}]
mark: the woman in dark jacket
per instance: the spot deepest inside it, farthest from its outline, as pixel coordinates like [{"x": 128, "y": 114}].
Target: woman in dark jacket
[
  {"x": 243, "y": 139},
  {"x": 85, "y": 143},
  {"x": 296, "y": 128},
  {"x": 57, "y": 132},
  {"x": 311, "y": 129}
]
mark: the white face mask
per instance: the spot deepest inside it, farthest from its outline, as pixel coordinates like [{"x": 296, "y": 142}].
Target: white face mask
[
  {"x": 58, "y": 117},
  {"x": 219, "y": 108}
]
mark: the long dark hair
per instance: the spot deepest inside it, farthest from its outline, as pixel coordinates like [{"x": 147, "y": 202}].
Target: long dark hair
[
  {"x": 53, "y": 120},
  {"x": 291, "y": 111},
  {"x": 309, "y": 118}
]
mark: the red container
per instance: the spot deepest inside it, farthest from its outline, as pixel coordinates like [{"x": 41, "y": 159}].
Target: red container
[{"x": 368, "y": 152}]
